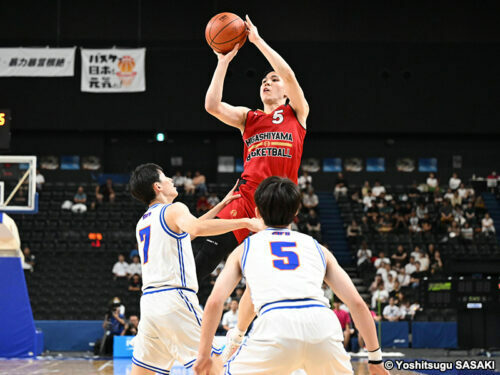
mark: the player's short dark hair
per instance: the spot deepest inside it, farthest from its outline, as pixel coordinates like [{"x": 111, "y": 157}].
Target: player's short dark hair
[
  {"x": 278, "y": 200},
  {"x": 142, "y": 180}
]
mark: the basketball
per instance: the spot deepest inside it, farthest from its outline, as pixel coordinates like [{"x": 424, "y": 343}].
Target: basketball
[{"x": 224, "y": 31}]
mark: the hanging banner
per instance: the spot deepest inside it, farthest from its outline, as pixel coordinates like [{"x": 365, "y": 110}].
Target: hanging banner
[
  {"x": 113, "y": 70},
  {"x": 37, "y": 62}
]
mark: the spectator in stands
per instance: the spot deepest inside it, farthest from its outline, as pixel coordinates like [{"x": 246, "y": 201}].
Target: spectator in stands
[
  {"x": 120, "y": 268},
  {"x": 417, "y": 275},
  {"x": 189, "y": 187},
  {"x": 463, "y": 192},
  {"x": 310, "y": 200},
  {"x": 353, "y": 231},
  {"x": 423, "y": 259},
  {"x": 178, "y": 179},
  {"x": 454, "y": 230},
  {"x": 492, "y": 181},
  {"x": 454, "y": 182},
  {"x": 368, "y": 200},
  {"x": 391, "y": 311},
  {"x": 314, "y": 226},
  {"x": 381, "y": 259},
  {"x": 340, "y": 186},
  {"x": 135, "y": 283},
  {"x": 487, "y": 225},
  {"x": 131, "y": 326},
  {"x": 375, "y": 283},
  {"x": 345, "y": 321},
  {"x": 390, "y": 283},
  {"x": 456, "y": 199},
  {"x": 380, "y": 295},
  {"x": 365, "y": 189},
  {"x": 448, "y": 195},
  {"x": 432, "y": 182},
  {"x": 410, "y": 267},
  {"x": 29, "y": 260},
  {"x": 436, "y": 264},
  {"x": 377, "y": 189},
  {"x": 479, "y": 205},
  {"x": 39, "y": 180},
  {"x": 200, "y": 183},
  {"x": 403, "y": 277},
  {"x": 446, "y": 213},
  {"x": 134, "y": 267},
  {"x": 365, "y": 226},
  {"x": 304, "y": 181},
  {"x": 406, "y": 312},
  {"x": 422, "y": 211},
  {"x": 470, "y": 214},
  {"x": 105, "y": 192},
  {"x": 79, "y": 201},
  {"x": 364, "y": 254},
  {"x": 238, "y": 293},
  {"x": 213, "y": 200},
  {"x": 458, "y": 215},
  {"x": 202, "y": 205},
  {"x": 230, "y": 318},
  {"x": 400, "y": 255}
]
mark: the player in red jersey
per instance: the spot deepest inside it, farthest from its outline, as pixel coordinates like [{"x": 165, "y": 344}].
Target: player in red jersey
[{"x": 272, "y": 140}]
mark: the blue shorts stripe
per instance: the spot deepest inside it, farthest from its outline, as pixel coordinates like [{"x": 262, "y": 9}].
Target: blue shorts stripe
[
  {"x": 167, "y": 289},
  {"x": 149, "y": 367},
  {"x": 291, "y": 307},
  {"x": 190, "y": 306},
  {"x": 286, "y": 300},
  {"x": 226, "y": 366},
  {"x": 181, "y": 262},
  {"x": 190, "y": 363}
]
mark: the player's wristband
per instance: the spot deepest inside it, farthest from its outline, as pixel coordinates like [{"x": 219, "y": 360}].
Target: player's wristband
[
  {"x": 240, "y": 333},
  {"x": 375, "y": 357}
]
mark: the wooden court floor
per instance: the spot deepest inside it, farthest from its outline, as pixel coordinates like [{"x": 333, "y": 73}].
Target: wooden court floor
[{"x": 105, "y": 367}]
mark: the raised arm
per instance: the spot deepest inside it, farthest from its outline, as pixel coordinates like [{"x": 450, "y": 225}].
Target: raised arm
[
  {"x": 225, "y": 284},
  {"x": 179, "y": 219},
  {"x": 280, "y": 66},
  {"x": 228, "y": 114},
  {"x": 338, "y": 280}
]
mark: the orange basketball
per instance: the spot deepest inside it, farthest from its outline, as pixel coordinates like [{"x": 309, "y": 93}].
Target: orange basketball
[{"x": 224, "y": 31}]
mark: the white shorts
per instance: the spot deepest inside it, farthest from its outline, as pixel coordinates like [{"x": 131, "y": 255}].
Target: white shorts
[
  {"x": 169, "y": 330},
  {"x": 287, "y": 339}
]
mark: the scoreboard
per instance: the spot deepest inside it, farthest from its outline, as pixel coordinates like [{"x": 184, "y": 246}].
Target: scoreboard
[
  {"x": 5, "y": 123},
  {"x": 463, "y": 293}
]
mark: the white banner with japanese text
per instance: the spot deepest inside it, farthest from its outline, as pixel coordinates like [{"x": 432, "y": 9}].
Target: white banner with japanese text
[
  {"x": 37, "y": 62},
  {"x": 113, "y": 70}
]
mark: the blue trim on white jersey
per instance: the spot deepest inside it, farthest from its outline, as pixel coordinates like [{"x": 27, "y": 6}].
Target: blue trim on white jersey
[
  {"x": 166, "y": 228},
  {"x": 277, "y": 229},
  {"x": 167, "y": 289},
  {"x": 246, "y": 247},
  {"x": 153, "y": 206},
  {"x": 181, "y": 262},
  {"x": 291, "y": 304},
  {"x": 1, "y": 217},
  {"x": 190, "y": 363},
  {"x": 149, "y": 367},
  {"x": 320, "y": 253}
]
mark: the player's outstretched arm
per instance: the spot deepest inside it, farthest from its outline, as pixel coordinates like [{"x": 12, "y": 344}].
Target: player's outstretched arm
[
  {"x": 280, "y": 66},
  {"x": 225, "y": 284},
  {"x": 180, "y": 219},
  {"x": 218, "y": 208},
  {"x": 338, "y": 280},
  {"x": 228, "y": 114}
]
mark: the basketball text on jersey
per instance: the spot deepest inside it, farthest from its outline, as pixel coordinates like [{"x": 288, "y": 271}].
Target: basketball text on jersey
[{"x": 268, "y": 144}]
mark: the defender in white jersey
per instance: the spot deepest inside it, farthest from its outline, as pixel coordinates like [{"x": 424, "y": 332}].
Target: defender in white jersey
[
  {"x": 295, "y": 328},
  {"x": 170, "y": 325}
]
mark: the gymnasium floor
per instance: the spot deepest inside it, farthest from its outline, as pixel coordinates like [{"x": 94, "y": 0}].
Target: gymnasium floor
[{"x": 84, "y": 364}]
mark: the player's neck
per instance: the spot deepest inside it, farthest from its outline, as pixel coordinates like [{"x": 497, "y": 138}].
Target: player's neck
[
  {"x": 161, "y": 200},
  {"x": 271, "y": 107}
]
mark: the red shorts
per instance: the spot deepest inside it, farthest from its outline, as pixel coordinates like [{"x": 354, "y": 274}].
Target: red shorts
[{"x": 241, "y": 208}]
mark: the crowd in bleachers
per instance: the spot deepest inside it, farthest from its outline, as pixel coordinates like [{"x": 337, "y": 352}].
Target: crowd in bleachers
[{"x": 401, "y": 235}]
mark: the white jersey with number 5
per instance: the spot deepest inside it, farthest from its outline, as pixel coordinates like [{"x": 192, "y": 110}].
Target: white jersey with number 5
[
  {"x": 166, "y": 256},
  {"x": 280, "y": 264}
]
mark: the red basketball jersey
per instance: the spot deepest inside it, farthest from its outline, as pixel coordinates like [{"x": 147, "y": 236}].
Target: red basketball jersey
[{"x": 273, "y": 145}]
